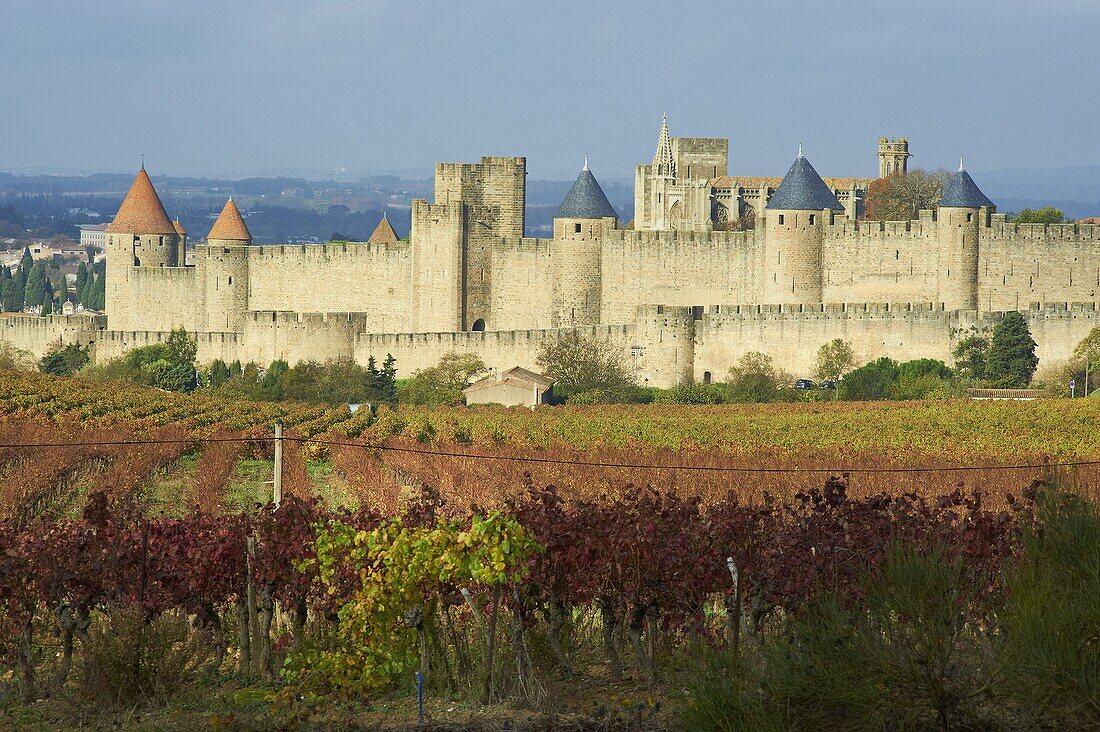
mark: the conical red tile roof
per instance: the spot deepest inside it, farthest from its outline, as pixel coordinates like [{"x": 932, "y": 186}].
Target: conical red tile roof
[
  {"x": 230, "y": 225},
  {"x": 179, "y": 227},
  {"x": 383, "y": 233},
  {"x": 141, "y": 211}
]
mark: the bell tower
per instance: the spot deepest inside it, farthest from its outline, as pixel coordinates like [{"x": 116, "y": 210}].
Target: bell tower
[{"x": 893, "y": 156}]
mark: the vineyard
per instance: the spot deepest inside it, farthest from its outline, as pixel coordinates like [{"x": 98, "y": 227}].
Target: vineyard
[{"x": 516, "y": 556}]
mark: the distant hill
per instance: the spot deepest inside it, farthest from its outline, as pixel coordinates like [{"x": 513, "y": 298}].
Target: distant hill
[{"x": 1075, "y": 190}]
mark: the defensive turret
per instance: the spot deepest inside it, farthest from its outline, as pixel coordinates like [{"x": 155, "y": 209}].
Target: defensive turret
[
  {"x": 223, "y": 270},
  {"x": 963, "y": 209},
  {"x": 794, "y": 226},
  {"x": 582, "y": 220}
]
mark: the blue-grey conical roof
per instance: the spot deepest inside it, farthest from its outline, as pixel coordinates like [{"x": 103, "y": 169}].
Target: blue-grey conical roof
[
  {"x": 586, "y": 200},
  {"x": 962, "y": 192},
  {"x": 803, "y": 190}
]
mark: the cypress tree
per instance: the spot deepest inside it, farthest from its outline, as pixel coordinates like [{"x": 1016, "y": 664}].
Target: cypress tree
[
  {"x": 81, "y": 281},
  {"x": 1011, "y": 361},
  {"x": 36, "y": 285},
  {"x": 47, "y": 304},
  {"x": 26, "y": 263}
]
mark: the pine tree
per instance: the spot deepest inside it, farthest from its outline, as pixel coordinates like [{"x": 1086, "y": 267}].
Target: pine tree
[
  {"x": 387, "y": 380},
  {"x": 1011, "y": 361},
  {"x": 36, "y": 285}
]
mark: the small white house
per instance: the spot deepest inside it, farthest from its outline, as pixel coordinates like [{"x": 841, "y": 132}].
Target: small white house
[{"x": 514, "y": 387}]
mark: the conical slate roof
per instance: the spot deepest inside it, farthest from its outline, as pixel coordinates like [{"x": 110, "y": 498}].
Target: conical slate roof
[
  {"x": 230, "y": 225},
  {"x": 383, "y": 233},
  {"x": 962, "y": 192},
  {"x": 803, "y": 190},
  {"x": 586, "y": 200},
  {"x": 141, "y": 211}
]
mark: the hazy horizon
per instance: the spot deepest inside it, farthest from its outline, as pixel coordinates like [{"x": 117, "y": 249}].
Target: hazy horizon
[{"x": 229, "y": 90}]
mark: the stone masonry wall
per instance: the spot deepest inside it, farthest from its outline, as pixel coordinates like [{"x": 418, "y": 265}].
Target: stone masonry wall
[
  {"x": 371, "y": 279},
  {"x": 1021, "y": 264},
  {"x": 877, "y": 261},
  {"x": 36, "y": 335}
]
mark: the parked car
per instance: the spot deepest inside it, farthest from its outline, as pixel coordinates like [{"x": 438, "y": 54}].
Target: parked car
[
  {"x": 805, "y": 384},
  {"x": 830, "y": 384}
]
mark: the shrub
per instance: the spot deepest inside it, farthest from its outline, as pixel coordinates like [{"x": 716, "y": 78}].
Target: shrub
[{"x": 126, "y": 659}]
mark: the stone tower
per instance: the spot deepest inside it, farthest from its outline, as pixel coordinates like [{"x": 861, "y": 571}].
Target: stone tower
[
  {"x": 223, "y": 270},
  {"x": 893, "y": 156},
  {"x": 581, "y": 222},
  {"x": 653, "y": 185},
  {"x": 794, "y": 229},
  {"x": 962, "y": 211},
  {"x": 140, "y": 237}
]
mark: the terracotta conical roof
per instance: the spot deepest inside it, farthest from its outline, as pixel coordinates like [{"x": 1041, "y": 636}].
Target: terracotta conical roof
[
  {"x": 179, "y": 227},
  {"x": 383, "y": 233},
  {"x": 141, "y": 211},
  {"x": 230, "y": 225}
]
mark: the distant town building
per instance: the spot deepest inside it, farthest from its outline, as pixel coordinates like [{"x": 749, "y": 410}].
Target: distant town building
[{"x": 94, "y": 236}]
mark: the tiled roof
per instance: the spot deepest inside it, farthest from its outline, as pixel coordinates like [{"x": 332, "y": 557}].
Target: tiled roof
[
  {"x": 383, "y": 233},
  {"x": 514, "y": 375},
  {"x": 141, "y": 211},
  {"x": 179, "y": 227},
  {"x": 803, "y": 190},
  {"x": 586, "y": 200},
  {"x": 230, "y": 225},
  {"x": 962, "y": 192}
]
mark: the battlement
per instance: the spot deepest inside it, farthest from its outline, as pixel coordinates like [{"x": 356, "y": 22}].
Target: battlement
[
  {"x": 349, "y": 320},
  {"x": 321, "y": 251},
  {"x": 999, "y": 228}
]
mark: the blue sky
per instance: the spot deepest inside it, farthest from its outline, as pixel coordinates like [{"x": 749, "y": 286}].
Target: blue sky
[{"x": 241, "y": 88}]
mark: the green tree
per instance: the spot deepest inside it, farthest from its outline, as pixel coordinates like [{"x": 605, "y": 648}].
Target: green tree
[
  {"x": 1044, "y": 215},
  {"x": 444, "y": 382},
  {"x": 35, "y": 289},
  {"x": 580, "y": 365},
  {"x": 970, "y": 356},
  {"x": 181, "y": 347},
  {"x": 81, "y": 281},
  {"x": 1088, "y": 351},
  {"x": 64, "y": 360},
  {"x": 273, "y": 382},
  {"x": 870, "y": 381},
  {"x": 834, "y": 359},
  {"x": 219, "y": 373},
  {"x": 1011, "y": 361},
  {"x": 47, "y": 304},
  {"x": 387, "y": 380},
  {"x": 26, "y": 264},
  {"x": 755, "y": 379}
]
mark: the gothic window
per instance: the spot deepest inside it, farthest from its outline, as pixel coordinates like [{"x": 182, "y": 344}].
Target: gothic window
[{"x": 478, "y": 326}]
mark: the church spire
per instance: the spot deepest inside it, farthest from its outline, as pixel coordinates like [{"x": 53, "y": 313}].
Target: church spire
[{"x": 663, "y": 163}]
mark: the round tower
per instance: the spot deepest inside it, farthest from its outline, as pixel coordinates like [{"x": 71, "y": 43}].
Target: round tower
[
  {"x": 794, "y": 229},
  {"x": 581, "y": 223},
  {"x": 962, "y": 210},
  {"x": 141, "y": 236},
  {"x": 223, "y": 270}
]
